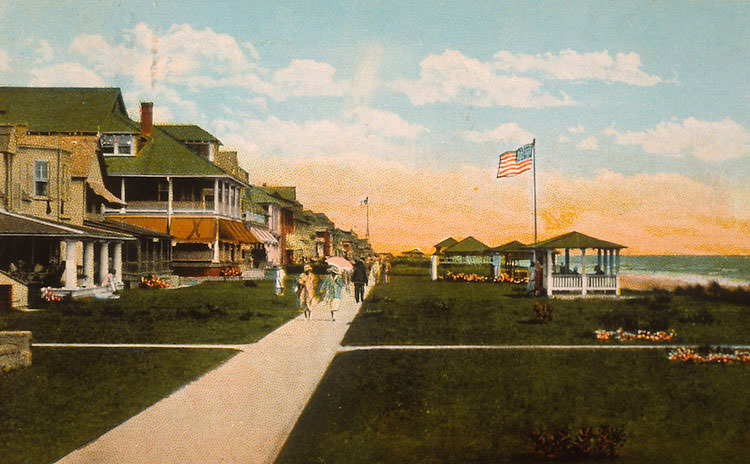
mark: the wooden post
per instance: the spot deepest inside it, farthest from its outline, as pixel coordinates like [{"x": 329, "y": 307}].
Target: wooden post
[
  {"x": 88, "y": 263},
  {"x": 70, "y": 276},
  {"x": 103, "y": 261},
  {"x": 117, "y": 260},
  {"x": 584, "y": 280},
  {"x": 549, "y": 273},
  {"x": 617, "y": 272},
  {"x": 122, "y": 193},
  {"x": 216, "y": 196},
  {"x": 567, "y": 260},
  {"x": 434, "y": 261}
]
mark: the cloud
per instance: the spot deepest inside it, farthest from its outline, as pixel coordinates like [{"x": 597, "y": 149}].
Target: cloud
[
  {"x": 366, "y": 79},
  {"x": 306, "y": 78},
  {"x": 508, "y": 132},
  {"x": 563, "y": 139},
  {"x": 589, "y": 143},
  {"x": 706, "y": 140},
  {"x": 4, "y": 60},
  {"x": 453, "y": 77},
  {"x": 576, "y": 129},
  {"x": 65, "y": 74},
  {"x": 200, "y": 59},
  {"x": 44, "y": 52},
  {"x": 571, "y": 65},
  {"x": 385, "y": 123}
]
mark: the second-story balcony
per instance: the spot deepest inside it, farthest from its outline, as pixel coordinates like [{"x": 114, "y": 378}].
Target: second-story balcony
[{"x": 179, "y": 197}]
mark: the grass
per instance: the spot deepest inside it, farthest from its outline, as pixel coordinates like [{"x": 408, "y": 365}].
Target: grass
[
  {"x": 212, "y": 312},
  {"x": 479, "y": 406},
  {"x": 69, "y": 397},
  {"x": 415, "y": 310}
]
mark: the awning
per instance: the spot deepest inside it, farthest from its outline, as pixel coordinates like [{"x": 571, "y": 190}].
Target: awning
[
  {"x": 158, "y": 224},
  {"x": 19, "y": 225},
  {"x": 235, "y": 232},
  {"x": 264, "y": 236},
  {"x": 102, "y": 191},
  {"x": 193, "y": 230}
]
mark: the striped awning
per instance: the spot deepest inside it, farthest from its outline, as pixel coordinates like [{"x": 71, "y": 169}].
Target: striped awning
[
  {"x": 264, "y": 236},
  {"x": 235, "y": 232}
]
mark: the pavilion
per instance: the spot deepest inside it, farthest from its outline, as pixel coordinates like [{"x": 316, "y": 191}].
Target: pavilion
[
  {"x": 559, "y": 278},
  {"x": 511, "y": 253}
]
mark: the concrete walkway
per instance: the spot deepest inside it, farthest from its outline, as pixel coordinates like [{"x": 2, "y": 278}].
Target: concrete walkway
[
  {"x": 528, "y": 347},
  {"x": 242, "y": 411}
]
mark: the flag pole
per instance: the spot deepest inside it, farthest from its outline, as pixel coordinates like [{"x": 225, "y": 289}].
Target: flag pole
[
  {"x": 533, "y": 164},
  {"x": 367, "y": 209}
]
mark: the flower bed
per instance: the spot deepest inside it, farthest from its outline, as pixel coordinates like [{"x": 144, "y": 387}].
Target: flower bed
[
  {"x": 462, "y": 277},
  {"x": 152, "y": 281},
  {"x": 623, "y": 336},
  {"x": 685, "y": 354},
  {"x": 230, "y": 271}
]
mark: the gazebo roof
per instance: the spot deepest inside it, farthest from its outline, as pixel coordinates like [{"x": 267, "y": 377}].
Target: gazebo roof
[
  {"x": 511, "y": 247},
  {"x": 575, "y": 240},
  {"x": 448, "y": 242},
  {"x": 467, "y": 245}
]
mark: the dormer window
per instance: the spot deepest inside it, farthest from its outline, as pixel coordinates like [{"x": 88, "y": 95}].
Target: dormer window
[{"x": 117, "y": 144}]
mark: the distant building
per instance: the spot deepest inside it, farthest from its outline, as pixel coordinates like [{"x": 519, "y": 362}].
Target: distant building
[
  {"x": 448, "y": 242},
  {"x": 414, "y": 253}
]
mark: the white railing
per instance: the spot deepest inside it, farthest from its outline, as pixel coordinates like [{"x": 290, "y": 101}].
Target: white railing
[{"x": 577, "y": 283}]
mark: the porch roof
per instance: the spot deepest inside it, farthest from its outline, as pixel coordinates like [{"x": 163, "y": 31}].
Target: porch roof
[
  {"x": 469, "y": 245},
  {"x": 18, "y": 225},
  {"x": 573, "y": 240},
  {"x": 511, "y": 247}
]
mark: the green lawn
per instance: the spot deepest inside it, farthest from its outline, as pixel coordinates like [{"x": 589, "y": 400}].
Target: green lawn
[
  {"x": 478, "y": 407},
  {"x": 212, "y": 312},
  {"x": 415, "y": 310},
  {"x": 69, "y": 397}
]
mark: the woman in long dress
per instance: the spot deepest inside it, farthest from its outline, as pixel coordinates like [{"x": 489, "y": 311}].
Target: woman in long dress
[
  {"x": 330, "y": 290},
  {"x": 306, "y": 290}
]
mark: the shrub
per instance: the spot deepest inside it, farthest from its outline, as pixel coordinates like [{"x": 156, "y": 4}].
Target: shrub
[
  {"x": 714, "y": 291},
  {"x": 543, "y": 312},
  {"x": 554, "y": 443}
]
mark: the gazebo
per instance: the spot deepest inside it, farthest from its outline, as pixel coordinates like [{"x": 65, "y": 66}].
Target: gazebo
[
  {"x": 448, "y": 242},
  {"x": 468, "y": 250},
  {"x": 560, "y": 278},
  {"x": 510, "y": 253}
]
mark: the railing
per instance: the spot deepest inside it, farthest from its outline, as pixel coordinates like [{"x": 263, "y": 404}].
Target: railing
[
  {"x": 178, "y": 207},
  {"x": 145, "y": 267},
  {"x": 567, "y": 282},
  {"x": 575, "y": 282}
]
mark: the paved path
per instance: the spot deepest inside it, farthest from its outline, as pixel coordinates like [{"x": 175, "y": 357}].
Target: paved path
[
  {"x": 528, "y": 347},
  {"x": 242, "y": 411},
  {"x": 141, "y": 345}
]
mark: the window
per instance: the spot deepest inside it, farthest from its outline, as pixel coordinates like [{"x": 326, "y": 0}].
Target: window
[
  {"x": 41, "y": 178},
  {"x": 117, "y": 144}
]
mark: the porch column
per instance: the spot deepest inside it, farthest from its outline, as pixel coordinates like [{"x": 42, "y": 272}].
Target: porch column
[
  {"x": 70, "y": 277},
  {"x": 170, "y": 195},
  {"x": 433, "y": 267},
  {"x": 215, "y": 257},
  {"x": 567, "y": 260},
  {"x": 611, "y": 262},
  {"x": 216, "y": 196},
  {"x": 617, "y": 272},
  {"x": 88, "y": 263},
  {"x": 122, "y": 193},
  {"x": 117, "y": 260},
  {"x": 103, "y": 261},
  {"x": 599, "y": 257},
  {"x": 584, "y": 279},
  {"x": 549, "y": 272}
]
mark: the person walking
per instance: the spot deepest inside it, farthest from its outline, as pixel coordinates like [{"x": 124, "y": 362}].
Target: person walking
[
  {"x": 306, "y": 290},
  {"x": 279, "y": 277},
  {"x": 359, "y": 277},
  {"x": 531, "y": 284},
  {"x": 330, "y": 290},
  {"x": 386, "y": 271}
]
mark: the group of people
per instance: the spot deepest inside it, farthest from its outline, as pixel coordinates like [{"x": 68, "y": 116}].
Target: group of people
[{"x": 335, "y": 282}]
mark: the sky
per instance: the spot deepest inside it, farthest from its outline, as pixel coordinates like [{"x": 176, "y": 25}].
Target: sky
[{"x": 639, "y": 109}]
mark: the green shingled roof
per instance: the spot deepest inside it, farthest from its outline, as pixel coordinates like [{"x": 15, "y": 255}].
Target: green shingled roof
[
  {"x": 66, "y": 110},
  {"x": 163, "y": 155},
  {"x": 511, "y": 247},
  {"x": 188, "y": 133},
  {"x": 573, "y": 240},
  {"x": 467, "y": 245},
  {"x": 448, "y": 242}
]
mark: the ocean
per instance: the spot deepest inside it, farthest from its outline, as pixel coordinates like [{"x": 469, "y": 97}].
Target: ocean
[{"x": 725, "y": 270}]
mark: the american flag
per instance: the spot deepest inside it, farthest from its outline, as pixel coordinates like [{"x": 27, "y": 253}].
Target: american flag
[{"x": 513, "y": 163}]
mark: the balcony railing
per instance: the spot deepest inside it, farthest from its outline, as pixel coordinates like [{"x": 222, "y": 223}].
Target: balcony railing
[
  {"x": 581, "y": 283},
  {"x": 178, "y": 207}
]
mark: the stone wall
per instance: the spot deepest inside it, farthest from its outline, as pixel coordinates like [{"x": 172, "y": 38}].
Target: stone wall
[{"x": 15, "y": 350}]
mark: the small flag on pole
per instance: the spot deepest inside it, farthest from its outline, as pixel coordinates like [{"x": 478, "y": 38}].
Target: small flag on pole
[
  {"x": 364, "y": 202},
  {"x": 513, "y": 163}
]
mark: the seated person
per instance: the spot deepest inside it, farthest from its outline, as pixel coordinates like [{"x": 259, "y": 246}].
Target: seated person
[{"x": 598, "y": 270}]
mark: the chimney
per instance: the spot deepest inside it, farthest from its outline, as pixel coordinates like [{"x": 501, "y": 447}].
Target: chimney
[{"x": 147, "y": 118}]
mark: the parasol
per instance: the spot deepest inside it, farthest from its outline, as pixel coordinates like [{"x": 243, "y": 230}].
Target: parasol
[{"x": 341, "y": 263}]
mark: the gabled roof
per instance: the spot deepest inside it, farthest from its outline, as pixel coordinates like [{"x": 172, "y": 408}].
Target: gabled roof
[
  {"x": 511, "y": 247},
  {"x": 21, "y": 225},
  {"x": 163, "y": 155},
  {"x": 66, "y": 109},
  {"x": 188, "y": 133},
  {"x": 575, "y": 240},
  {"x": 467, "y": 245},
  {"x": 448, "y": 242}
]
